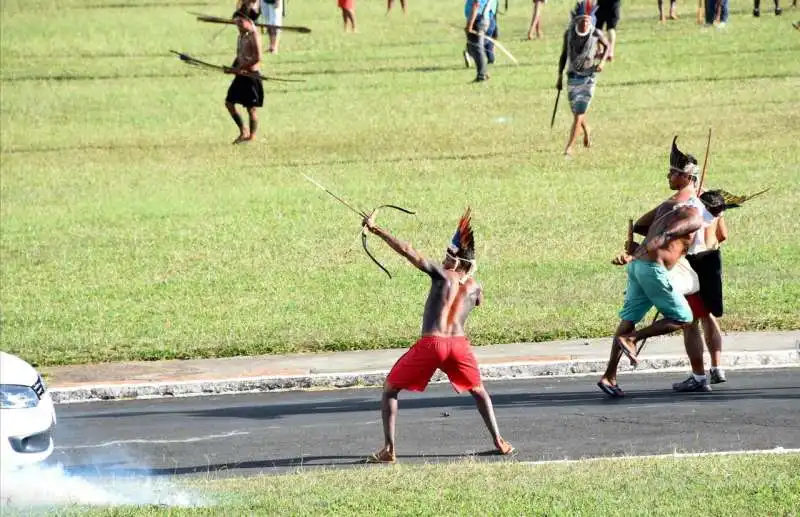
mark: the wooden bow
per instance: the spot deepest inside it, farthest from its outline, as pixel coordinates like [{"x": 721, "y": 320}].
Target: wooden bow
[
  {"x": 363, "y": 216},
  {"x": 364, "y": 233},
  {"x": 189, "y": 60},
  {"x": 218, "y": 19}
]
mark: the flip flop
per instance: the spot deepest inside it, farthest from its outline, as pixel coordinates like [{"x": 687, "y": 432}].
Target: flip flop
[
  {"x": 630, "y": 354},
  {"x": 612, "y": 390}
]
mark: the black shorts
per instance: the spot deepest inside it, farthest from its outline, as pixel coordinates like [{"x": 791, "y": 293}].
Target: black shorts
[
  {"x": 708, "y": 266},
  {"x": 608, "y": 14},
  {"x": 247, "y": 91}
]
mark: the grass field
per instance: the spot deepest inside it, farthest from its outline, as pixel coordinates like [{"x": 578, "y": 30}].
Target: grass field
[
  {"x": 725, "y": 486},
  {"x": 132, "y": 229}
]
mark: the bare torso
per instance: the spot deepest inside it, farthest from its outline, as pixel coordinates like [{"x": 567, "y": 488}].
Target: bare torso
[
  {"x": 670, "y": 253},
  {"x": 247, "y": 50},
  {"x": 449, "y": 304},
  {"x": 712, "y": 240}
]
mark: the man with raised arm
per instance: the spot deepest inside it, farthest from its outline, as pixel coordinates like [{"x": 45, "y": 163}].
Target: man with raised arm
[{"x": 443, "y": 345}]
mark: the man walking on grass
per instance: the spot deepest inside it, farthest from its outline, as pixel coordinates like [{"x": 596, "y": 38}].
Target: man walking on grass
[
  {"x": 579, "y": 50},
  {"x": 273, "y": 15},
  {"x": 246, "y": 88},
  {"x": 672, "y": 16},
  {"x": 479, "y": 15},
  {"x": 443, "y": 345}
]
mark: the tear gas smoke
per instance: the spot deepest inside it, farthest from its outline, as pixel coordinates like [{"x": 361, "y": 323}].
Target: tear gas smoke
[{"x": 53, "y": 485}]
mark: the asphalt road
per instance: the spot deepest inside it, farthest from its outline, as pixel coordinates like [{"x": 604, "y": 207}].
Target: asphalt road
[{"x": 545, "y": 419}]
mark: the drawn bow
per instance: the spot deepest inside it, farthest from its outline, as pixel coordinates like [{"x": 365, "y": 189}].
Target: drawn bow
[{"x": 364, "y": 215}]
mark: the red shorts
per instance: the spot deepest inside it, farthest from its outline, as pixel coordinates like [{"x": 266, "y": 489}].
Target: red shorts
[
  {"x": 347, "y": 4},
  {"x": 452, "y": 355},
  {"x": 699, "y": 309}
]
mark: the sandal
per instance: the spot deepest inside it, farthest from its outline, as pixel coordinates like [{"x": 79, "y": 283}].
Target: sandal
[
  {"x": 612, "y": 390},
  {"x": 628, "y": 349}
]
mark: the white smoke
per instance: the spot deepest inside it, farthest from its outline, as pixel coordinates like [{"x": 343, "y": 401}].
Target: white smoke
[{"x": 52, "y": 485}]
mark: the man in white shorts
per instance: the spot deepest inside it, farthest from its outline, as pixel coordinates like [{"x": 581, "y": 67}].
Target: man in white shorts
[{"x": 273, "y": 15}]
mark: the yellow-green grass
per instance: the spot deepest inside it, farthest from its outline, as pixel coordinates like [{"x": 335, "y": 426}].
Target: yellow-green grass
[
  {"x": 132, "y": 229},
  {"x": 714, "y": 486}
]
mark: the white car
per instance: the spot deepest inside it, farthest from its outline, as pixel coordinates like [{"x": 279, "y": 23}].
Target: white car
[{"x": 27, "y": 415}]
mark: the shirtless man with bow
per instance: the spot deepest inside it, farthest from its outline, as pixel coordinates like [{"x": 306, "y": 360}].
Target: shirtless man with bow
[{"x": 443, "y": 345}]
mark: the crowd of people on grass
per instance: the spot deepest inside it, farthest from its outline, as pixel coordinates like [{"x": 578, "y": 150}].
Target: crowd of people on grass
[{"x": 677, "y": 268}]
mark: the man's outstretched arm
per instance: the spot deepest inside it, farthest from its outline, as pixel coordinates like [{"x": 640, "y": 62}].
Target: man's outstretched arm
[{"x": 406, "y": 250}]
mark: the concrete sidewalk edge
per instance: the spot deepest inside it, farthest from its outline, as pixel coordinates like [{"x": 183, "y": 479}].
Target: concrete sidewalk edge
[{"x": 331, "y": 381}]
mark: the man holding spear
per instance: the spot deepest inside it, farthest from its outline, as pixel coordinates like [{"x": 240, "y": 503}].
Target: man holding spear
[
  {"x": 246, "y": 88},
  {"x": 579, "y": 50}
]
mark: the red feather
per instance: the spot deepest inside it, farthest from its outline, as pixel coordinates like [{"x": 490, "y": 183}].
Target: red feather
[{"x": 464, "y": 232}]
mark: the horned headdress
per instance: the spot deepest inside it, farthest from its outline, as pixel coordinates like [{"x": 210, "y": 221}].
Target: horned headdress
[
  {"x": 462, "y": 245},
  {"x": 685, "y": 163}
]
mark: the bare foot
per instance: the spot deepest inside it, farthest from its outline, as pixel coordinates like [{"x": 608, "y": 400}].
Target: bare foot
[
  {"x": 662, "y": 19},
  {"x": 628, "y": 347},
  {"x": 530, "y": 35},
  {"x": 673, "y": 16},
  {"x": 241, "y": 138},
  {"x": 608, "y": 380},
  {"x": 385, "y": 455},
  {"x": 568, "y": 152},
  {"x": 503, "y": 447},
  {"x": 587, "y": 140}
]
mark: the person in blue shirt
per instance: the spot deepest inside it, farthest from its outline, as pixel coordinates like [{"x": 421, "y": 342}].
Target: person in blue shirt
[
  {"x": 478, "y": 14},
  {"x": 492, "y": 32}
]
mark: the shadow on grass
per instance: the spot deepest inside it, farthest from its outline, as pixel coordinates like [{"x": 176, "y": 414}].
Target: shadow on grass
[
  {"x": 119, "y": 469},
  {"x": 142, "y": 5}
]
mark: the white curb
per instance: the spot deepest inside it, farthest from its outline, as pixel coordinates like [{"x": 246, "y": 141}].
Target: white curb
[{"x": 497, "y": 372}]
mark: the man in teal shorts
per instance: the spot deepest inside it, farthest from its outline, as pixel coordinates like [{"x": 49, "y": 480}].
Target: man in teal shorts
[{"x": 648, "y": 285}]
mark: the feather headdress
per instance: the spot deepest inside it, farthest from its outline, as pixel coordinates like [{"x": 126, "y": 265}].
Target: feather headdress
[
  {"x": 734, "y": 201},
  {"x": 685, "y": 163},
  {"x": 717, "y": 201},
  {"x": 585, "y": 8},
  {"x": 462, "y": 245}
]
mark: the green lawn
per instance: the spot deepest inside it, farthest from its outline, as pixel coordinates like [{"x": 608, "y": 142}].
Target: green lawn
[
  {"x": 132, "y": 229},
  {"x": 722, "y": 486}
]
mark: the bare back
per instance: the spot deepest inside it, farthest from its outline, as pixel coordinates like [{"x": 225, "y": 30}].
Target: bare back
[{"x": 449, "y": 304}]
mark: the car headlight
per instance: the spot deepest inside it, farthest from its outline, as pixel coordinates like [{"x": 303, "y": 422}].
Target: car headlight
[{"x": 13, "y": 396}]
